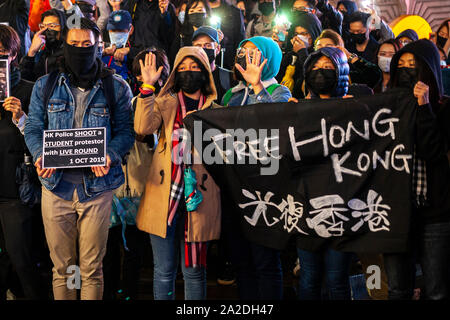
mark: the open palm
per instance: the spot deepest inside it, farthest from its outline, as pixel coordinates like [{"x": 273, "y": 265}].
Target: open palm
[
  {"x": 148, "y": 69},
  {"x": 252, "y": 73}
]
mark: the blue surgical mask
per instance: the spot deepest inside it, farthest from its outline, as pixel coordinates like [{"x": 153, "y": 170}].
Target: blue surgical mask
[
  {"x": 118, "y": 38},
  {"x": 181, "y": 16}
]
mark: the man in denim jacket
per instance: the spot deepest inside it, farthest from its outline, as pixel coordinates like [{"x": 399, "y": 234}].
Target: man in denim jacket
[{"x": 76, "y": 203}]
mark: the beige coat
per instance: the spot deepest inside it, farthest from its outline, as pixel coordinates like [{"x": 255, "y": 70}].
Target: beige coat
[{"x": 153, "y": 114}]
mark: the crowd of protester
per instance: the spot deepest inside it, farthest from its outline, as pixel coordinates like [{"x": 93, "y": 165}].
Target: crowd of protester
[{"x": 137, "y": 68}]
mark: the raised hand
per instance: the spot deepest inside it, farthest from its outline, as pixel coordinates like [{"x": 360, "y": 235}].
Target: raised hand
[
  {"x": 37, "y": 42},
  {"x": 421, "y": 92},
  {"x": 253, "y": 71},
  {"x": 163, "y": 5},
  {"x": 148, "y": 69}
]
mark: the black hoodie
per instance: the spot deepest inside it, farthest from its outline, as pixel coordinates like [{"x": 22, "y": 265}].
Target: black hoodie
[
  {"x": 44, "y": 61},
  {"x": 312, "y": 24},
  {"x": 433, "y": 134}
]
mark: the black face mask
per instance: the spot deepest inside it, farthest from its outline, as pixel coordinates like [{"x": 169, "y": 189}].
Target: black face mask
[
  {"x": 358, "y": 38},
  {"x": 441, "y": 41},
  {"x": 243, "y": 62},
  {"x": 51, "y": 38},
  {"x": 266, "y": 8},
  {"x": 321, "y": 81},
  {"x": 407, "y": 77},
  {"x": 197, "y": 19},
  {"x": 211, "y": 53},
  {"x": 190, "y": 81},
  {"x": 82, "y": 64}
]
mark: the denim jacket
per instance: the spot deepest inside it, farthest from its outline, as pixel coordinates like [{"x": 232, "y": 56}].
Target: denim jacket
[
  {"x": 243, "y": 95},
  {"x": 60, "y": 112}
]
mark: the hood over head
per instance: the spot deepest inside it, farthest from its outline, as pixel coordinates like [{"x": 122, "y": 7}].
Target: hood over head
[
  {"x": 351, "y": 6},
  {"x": 200, "y": 54},
  {"x": 340, "y": 63},
  {"x": 270, "y": 51},
  {"x": 427, "y": 52},
  {"x": 408, "y": 33}
]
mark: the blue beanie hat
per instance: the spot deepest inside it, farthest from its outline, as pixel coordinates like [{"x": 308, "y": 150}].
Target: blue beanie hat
[{"x": 270, "y": 51}]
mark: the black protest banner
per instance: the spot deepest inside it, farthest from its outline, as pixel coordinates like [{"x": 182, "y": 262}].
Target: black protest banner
[
  {"x": 74, "y": 148},
  {"x": 331, "y": 172}
]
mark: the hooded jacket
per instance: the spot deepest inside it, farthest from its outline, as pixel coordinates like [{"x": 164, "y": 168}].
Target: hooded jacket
[
  {"x": 158, "y": 114},
  {"x": 432, "y": 134},
  {"x": 409, "y": 33},
  {"x": 243, "y": 94},
  {"x": 339, "y": 61},
  {"x": 330, "y": 18},
  {"x": 46, "y": 60},
  {"x": 314, "y": 27}
]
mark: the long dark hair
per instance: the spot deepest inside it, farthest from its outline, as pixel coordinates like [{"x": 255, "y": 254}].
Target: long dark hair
[
  {"x": 393, "y": 42},
  {"x": 187, "y": 29},
  {"x": 10, "y": 41}
]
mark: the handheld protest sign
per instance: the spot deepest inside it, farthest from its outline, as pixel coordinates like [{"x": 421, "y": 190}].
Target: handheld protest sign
[
  {"x": 74, "y": 148},
  {"x": 4, "y": 79}
]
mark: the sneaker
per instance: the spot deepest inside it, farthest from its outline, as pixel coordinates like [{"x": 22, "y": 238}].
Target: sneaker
[
  {"x": 227, "y": 276},
  {"x": 10, "y": 295}
]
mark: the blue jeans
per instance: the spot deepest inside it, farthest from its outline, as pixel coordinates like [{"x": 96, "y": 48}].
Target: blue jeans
[
  {"x": 433, "y": 255},
  {"x": 259, "y": 273},
  {"x": 166, "y": 253},
  {"x": 336, "y": 266}
]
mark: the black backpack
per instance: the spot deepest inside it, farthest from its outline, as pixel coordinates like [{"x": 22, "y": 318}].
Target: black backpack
[{"x": 108, "y": 87}]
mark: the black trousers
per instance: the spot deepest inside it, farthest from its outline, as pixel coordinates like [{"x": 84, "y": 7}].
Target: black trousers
[
  {"x": 118, "y": 261},
  {"x": 19, "y": 233}
]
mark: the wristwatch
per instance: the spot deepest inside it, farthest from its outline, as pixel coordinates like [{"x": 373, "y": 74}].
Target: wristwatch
[{"x": 352, "y": 56}]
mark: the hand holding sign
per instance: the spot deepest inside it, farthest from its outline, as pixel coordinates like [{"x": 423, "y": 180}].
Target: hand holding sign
[
  {"x": 44, "y": 173},
  {"x": 13, "y": 105},
  {"x": 102, "y": 171}
]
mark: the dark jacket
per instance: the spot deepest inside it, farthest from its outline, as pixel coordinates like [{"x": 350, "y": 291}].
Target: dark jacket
[
  {"x": 233, "y": 28},
  {"x": 330, "y": 18},
  {"x": 15, "y": 12},
  {"x": 369, "y": 53},
  {"x": 151, "y": 28},
  {"x": 432, "y": 134},
  {"x": 365, "y": 72},
  {"x": 312, "y": 24},
  {"x": 12, "y": 144},
  {"x": 45, "y": 61},
  {"x": 340, "y": 63}
]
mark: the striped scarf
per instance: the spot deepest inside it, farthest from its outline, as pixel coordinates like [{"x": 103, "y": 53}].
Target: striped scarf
[{"x": 195, "y": 252}]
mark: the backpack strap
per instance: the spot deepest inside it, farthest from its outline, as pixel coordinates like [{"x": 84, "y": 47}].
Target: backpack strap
[
  {"x": 270, "y": 89},
  {"x": 226, "y": 98},
  {"x": 48, "y": 91},
  {"x": 224, "y": 77},
  {"x": 108, "y": 87}
]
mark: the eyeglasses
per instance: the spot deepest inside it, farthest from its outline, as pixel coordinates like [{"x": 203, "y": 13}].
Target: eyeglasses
[
  {"x": 49, "y": 25},
  {"x": 207, "y": 45},
  {"x": 304, "y": 9},
  {"x": 241, "y": 52}
]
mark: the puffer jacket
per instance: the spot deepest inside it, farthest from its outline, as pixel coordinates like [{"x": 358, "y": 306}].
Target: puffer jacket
[{"x": 340, "y": 63}]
